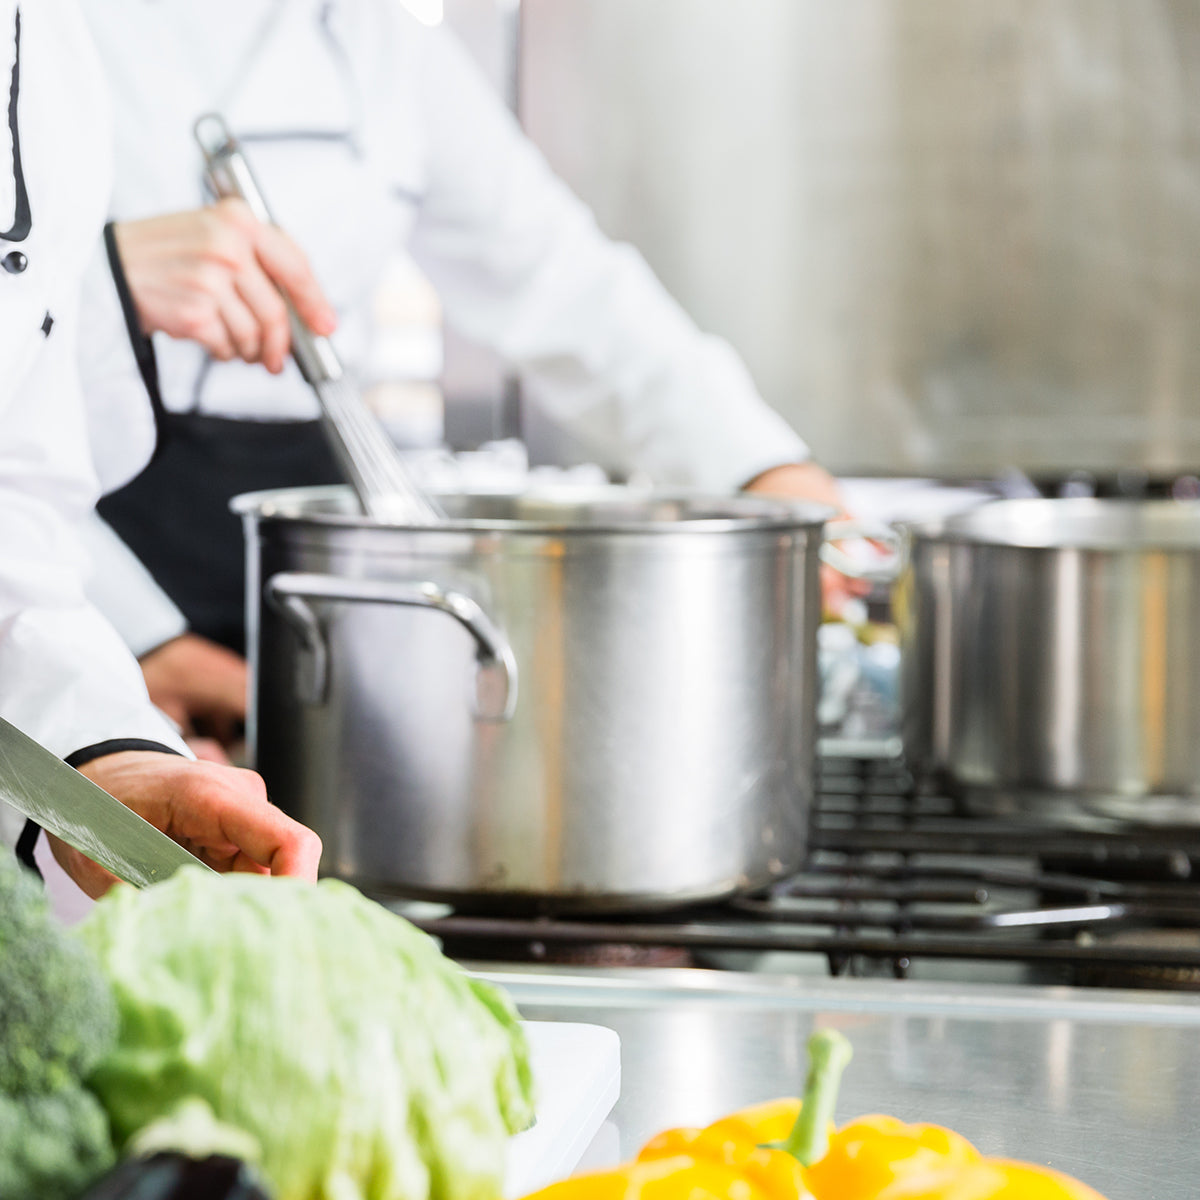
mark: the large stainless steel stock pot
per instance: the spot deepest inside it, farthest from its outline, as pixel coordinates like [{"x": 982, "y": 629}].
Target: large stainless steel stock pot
[
  {"x": 1051, "y": 657},
  {"x": 598, "y": 702}
]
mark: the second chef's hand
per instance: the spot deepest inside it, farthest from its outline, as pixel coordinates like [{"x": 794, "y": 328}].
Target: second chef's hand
[
  {"x": 811, "y": 483},
  {"x": 214, "y": 276},
  {"x": 200, "y": 685}
]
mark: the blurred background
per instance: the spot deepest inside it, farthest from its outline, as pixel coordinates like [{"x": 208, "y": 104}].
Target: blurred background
[{"x": 950, "y": 237}]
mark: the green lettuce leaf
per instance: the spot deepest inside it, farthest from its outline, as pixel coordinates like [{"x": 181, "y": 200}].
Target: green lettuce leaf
[{"x": 363, "y": 1063}]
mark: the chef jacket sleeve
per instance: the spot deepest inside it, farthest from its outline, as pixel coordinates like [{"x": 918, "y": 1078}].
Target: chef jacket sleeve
[
  {"x": 521, "y": 266},
  {"x": 66, "y": 678},
  {"x": 125, "y": 592}
]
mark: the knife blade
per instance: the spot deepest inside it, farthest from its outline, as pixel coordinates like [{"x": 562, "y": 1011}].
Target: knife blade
[{"x": 85, "y": 816}]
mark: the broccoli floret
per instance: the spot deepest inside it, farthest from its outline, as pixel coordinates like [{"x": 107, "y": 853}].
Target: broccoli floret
[
  {"x": 57, "y": 1012},
  {"x": 52, "y": 1146},
  {"x": 58, "y": 1018}
]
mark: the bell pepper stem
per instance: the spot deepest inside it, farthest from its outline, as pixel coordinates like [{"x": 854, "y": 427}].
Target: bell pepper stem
[{"x": 828, "y": 1054}]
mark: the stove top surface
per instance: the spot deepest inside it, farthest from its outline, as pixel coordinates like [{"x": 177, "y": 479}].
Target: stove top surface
[{"x": 898, "y": 878}]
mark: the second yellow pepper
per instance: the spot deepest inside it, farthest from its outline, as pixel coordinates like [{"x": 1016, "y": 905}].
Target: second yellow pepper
[{"x": 881, "y": 1158}]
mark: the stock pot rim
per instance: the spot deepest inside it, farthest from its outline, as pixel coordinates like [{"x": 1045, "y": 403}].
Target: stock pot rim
[
  {"x": 1068, "y": 523},
  {"x": 748, "y": 513}
]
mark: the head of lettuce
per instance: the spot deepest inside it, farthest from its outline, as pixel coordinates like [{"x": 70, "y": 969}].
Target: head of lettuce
[{"x": 312, "y": 1030}]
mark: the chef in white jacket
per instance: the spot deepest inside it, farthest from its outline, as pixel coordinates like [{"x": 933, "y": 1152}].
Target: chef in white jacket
[
  {"x": 367, "y": 131},
  {"x": 66, "y": 678}
]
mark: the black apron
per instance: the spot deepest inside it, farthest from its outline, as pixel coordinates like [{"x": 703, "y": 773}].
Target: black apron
[{"x": 175, "y": 515}]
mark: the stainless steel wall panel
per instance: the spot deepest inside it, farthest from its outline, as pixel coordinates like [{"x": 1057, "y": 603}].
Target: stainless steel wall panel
[{"x": 947, "y": 235}]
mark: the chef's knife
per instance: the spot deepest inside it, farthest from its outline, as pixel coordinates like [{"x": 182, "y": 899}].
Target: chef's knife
[{"x": 85, "y": 816}]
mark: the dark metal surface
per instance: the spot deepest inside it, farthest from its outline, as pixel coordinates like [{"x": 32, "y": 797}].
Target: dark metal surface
[{"x": 895, "y": 876}]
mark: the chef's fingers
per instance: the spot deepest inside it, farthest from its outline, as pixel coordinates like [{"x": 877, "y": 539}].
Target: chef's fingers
[
  {"x": 229, "y": 807},
  {"x": 176, "y": 709},
  {"x": 286, "y": 265},
  {"x": 219, "y": 727},
  {"x": 227, "y": 858},
  {"x": 240, "y": 324},
  {"x": 214, "y": 337},
  {"x": 263, "y": 300},
  {"x": 237, "y": 861},
  {"x": 222, "y": 856},
  {"x": 209, "y": 749},
  {"x": 837, "y": 589}
]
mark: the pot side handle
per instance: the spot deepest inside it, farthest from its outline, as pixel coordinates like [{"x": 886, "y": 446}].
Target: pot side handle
[
  {"x": 289, "y": 594},
  {"x": 887, "y": 570}
]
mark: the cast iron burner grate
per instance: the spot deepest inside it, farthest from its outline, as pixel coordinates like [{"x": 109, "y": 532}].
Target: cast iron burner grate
[{"x": 896, "y": 875}]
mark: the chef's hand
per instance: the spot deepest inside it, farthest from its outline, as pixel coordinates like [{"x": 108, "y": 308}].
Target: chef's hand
[
  {"x": 201, "y": 686},
  {"x": 810, "y": 481},
  {"x": 213, "y": 276},
  {"x": 221, "y": 814}
]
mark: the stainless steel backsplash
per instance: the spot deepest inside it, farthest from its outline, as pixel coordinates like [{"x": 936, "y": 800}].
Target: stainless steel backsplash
[{"x": 949, "y": 236}]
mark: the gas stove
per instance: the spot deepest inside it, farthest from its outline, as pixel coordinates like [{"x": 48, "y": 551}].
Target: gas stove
[{"x": 899, "y": 880}]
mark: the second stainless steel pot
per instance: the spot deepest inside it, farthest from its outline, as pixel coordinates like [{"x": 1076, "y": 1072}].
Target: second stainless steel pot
[
  {"x": 1051, "y": 656},
  {"x": 602, "y": 703}
]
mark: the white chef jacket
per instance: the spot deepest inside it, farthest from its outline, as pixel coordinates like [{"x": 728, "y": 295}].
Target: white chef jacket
[
  {"x": 369, "y": 131},
  {"x": 66, "y": 678}
]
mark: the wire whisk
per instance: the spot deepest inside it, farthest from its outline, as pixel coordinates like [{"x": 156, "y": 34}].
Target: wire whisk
[{"x": 382, "y": 482}]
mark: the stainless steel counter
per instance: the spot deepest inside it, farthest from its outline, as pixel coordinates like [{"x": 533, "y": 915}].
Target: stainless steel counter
[{"x": 1102, "y": 1085}]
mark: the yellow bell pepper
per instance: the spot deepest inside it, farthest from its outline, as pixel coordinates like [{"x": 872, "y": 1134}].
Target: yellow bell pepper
[
  {"x": 881, "y": 1158},
  {"x": 999, "y": 1179},
  {"x": 785, "y": 1150},
  {"x": 872, "y": 1154},
  {"x": 740, "y": 1157},
  {"x": 691, "y": 1164}
]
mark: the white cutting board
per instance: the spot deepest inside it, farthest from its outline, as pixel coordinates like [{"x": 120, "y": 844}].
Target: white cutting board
[{"x": 577, "y": 1074}]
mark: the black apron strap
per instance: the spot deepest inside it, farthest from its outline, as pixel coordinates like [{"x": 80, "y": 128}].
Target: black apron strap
[
  {"x": 27, "y": 845},
  {"x": 143, "y": 345}
]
